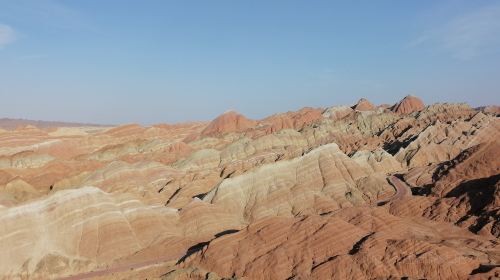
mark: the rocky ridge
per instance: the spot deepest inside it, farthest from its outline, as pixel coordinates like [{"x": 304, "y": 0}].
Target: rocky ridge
[{"x": 296, "y": 195}]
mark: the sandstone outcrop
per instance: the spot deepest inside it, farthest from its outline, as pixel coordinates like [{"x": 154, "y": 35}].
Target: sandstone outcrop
[
  {"x": 321, "y": 181},
  {"x": 337, "y": 112},
  {"x": 377, "y": 161},
  {"x": 408, "y": 105},
  {"x": 320, "y": 193},
  {"x": 92, "y": 228},
  {"x": 493, "y": 109},
  {"x": 291, "y": 120},
  {"x": 95, "y": 229},
  {"x": 357, "y": 243},
  {"x": 364, "y": 105},
  {"x": 230, "y": 121}
]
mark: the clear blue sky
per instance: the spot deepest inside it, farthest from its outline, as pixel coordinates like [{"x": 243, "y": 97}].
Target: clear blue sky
[{"x": 169, "y": 61}]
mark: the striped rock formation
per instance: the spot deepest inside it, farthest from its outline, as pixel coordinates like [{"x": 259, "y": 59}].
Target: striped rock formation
[{"x": 319, "y": 193}]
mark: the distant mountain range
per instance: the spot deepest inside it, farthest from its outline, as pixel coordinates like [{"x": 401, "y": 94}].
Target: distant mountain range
[{"x": 10, "y": 124}]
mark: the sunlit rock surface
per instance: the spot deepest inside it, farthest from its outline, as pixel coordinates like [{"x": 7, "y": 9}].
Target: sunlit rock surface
[{"x": 368, "y": 192}]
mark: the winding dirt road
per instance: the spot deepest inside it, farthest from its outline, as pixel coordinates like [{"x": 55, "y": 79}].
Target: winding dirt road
[
  {"x": 402, "y": 191},
  {"x": 115, "y": 269}
]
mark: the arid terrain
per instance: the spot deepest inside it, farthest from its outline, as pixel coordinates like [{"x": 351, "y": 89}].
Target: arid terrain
[{"x": 365, "y": 191}]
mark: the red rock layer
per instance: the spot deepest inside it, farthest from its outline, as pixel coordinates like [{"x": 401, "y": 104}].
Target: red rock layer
[
  {"x": 291, "y": 120},
  {"x": 298, "y": 194},
  {"x": 408, "y": 105},
  {"x": 356, "y": 243},
  {"x": 228, "y": 122},
  {"x": 364, "y": 105}
]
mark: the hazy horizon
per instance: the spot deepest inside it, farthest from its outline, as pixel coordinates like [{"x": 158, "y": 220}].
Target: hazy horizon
[
  {"x": 203, "y": 120},
  {"x": 118, "y": 62}
]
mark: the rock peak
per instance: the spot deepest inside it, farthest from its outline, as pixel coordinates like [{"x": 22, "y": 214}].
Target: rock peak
[
  {"x": 364, "y": 105},
  {"x": 229, "y": 121},
  {"x": 408, "y": 104}
]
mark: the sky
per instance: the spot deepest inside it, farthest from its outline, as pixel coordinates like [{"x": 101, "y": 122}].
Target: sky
[{"x": 167, "y": 61}]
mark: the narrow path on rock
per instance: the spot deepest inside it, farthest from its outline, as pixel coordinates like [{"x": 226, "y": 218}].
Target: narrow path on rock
[
  {"x": 402, "y": 191},
  {"x": 115, "y": 269}
]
